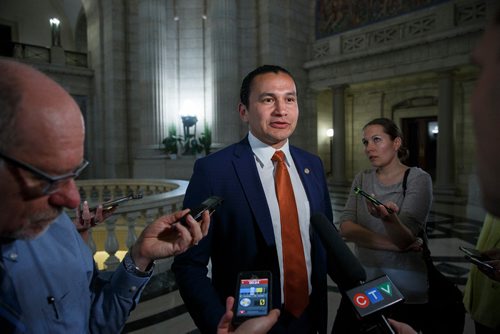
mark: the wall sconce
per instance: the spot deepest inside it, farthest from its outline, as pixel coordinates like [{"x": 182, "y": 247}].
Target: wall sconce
[
  {"x": 55, "y": 29},
  {"x": 329, "y": 134},
  {"x": 433, "y": 129}
]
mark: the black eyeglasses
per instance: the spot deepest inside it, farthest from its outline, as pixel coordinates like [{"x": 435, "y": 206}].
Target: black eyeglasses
[{"x": 52, "y": 182}]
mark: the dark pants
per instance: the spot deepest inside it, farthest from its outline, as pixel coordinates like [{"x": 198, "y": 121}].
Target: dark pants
[{"x": 482, "y": 329}]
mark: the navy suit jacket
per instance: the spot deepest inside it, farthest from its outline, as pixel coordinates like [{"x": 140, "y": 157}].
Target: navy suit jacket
[{"x": 241, "y": 234}]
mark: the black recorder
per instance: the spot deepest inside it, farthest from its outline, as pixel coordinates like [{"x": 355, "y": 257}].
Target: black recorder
[
  {"x": 113, "y": 203},
  {"x": 109, "y": 205},
  {"x": 474, "y": 256},
  {"x": 209, "y": 204},
  {"x": 253, "y": 296},
  {"x": 359, "y": 191}
]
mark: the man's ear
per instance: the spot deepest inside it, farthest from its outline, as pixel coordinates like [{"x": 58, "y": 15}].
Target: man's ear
[{"x": 242, "y": 109}]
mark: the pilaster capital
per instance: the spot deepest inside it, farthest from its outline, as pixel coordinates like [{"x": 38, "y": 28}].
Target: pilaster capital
[
  {"x": 446, "y": 73},
  {"x": 339, "y": 87}
]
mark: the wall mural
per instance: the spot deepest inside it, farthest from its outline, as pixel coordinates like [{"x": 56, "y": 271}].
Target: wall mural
[{"x": 335, "y": 16}]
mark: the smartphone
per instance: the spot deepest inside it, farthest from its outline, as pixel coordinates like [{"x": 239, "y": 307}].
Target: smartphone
[
  {"x": 474, "y": 253},
  {"x": 476, "y": 257},
  {"x": 115, "y": 202},
  {"x": 253, "y": 295},
  {"x": 359, "y": 191},
  {"x": 480, "y": 263},
  {"x": 209, "y": 204}
]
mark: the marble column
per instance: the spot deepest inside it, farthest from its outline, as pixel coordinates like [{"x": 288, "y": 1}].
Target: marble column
[
  {"x": 221, "y": 23},
  {"x": 445, "y": 164},
  {"x": 338, "y": 153},
  {"x": 152, "y": 75}
]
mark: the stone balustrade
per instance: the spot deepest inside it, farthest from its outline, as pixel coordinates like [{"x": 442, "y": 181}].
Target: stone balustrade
[
  {"x": 42, "y": 54},
  {"x": 110, "y": 240}
]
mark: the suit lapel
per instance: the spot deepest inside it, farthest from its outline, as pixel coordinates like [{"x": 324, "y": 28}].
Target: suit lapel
[
  {"x": 245, "y": 168},
  {"x": 305, "y": 172}
]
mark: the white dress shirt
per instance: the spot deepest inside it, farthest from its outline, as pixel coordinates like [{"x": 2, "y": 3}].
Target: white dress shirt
[{"x": 266, "y": 167}]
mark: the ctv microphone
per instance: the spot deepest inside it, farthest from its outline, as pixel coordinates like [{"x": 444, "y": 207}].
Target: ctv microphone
[
  {"x": 344, "y": 267},
  {"x": 371, "y": 299},
  {"x": 368, "y": 299}
]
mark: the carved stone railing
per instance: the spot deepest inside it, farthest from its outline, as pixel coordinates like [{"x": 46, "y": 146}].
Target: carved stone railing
[
  {"x": 43, "y": 54},
  {"x": 110, "y": 241},
  {"x": 423, "y": 26}
]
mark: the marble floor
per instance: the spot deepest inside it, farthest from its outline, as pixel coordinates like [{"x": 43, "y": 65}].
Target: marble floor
[{"x": 163, "y": 311}]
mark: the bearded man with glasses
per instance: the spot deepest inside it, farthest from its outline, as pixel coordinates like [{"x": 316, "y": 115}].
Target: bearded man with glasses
[{"x": 48, "y": 280}]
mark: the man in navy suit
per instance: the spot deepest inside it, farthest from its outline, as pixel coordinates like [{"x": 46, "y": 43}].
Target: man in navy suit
[{"x": 245, "y": 232}]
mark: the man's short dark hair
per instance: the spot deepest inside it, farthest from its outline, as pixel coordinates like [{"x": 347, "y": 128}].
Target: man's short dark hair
[{"x": 247, "y": 81}]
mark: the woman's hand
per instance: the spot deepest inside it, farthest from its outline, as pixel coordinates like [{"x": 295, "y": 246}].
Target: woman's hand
[{"x": 380, "y": 211}]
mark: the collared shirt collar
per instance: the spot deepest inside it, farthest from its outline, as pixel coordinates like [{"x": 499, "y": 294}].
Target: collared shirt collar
[{"x": 263, "y": 152}]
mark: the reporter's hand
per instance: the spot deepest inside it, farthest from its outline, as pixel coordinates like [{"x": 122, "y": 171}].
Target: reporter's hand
[
  {"x": 401, "y": 327},
  {"x": 259, "y": 325},
  {"x": 494, "y": 255},
  {"x": 416, "y": 246},
  {"x": 165, "y": 237},
  {"x": 380, "y": 211},
  {"x": 85, "y": 219}
]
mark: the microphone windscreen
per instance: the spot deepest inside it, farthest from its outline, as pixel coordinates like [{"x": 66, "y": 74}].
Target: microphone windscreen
[{"x": 343, "y": 266}]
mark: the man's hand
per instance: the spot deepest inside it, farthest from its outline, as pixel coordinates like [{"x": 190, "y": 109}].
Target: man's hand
[
  {"x": 85, "y": 219},
  {"x": 165, "y": 237},
  {"x": 259, "y": 325},
  {"x": 401, "y": 327}
]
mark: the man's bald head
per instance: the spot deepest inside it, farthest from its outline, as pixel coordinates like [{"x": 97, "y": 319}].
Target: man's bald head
[{"x": 27, "y": 94}]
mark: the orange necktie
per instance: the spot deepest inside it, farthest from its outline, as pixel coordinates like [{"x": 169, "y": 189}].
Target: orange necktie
[{"x": 295, "y": 284}]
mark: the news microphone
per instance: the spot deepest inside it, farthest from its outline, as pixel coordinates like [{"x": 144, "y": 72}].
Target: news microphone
[
  {"x": 371, "y": 299},
  {"x": 343, "y": 266},
  {"x": 368, "y": 299}
]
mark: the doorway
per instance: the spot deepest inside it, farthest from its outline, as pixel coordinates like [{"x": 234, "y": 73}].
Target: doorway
[
  {"x": 6, "y": 46},
  {"x": 421, "y": 134}
]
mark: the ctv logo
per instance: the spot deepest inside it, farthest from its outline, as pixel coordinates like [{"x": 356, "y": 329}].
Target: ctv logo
[{"x": 373, "y": 295}]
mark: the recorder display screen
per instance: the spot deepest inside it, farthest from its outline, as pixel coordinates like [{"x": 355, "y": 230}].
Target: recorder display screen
[{"x": 253, "y": 298}]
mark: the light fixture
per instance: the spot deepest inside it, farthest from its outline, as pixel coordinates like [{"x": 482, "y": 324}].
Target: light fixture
[
  {"x": 55, "y": 29},
  {"x": 54, "y": 21},
  {"x": 433, "y": 128},
  {"x": 330, "y": 133}
]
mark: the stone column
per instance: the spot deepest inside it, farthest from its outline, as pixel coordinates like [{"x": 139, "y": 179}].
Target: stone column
[
  {"x": 225, "y": 75},
  {"x": 338, "y": 152},
  {"x": 445, "y": 164},
  {"x": 152, "y": 70}
]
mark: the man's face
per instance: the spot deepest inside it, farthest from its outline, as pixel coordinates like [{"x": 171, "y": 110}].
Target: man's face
[
  {"x": 51, "y": 141},
  {"x": 272, "y": 110}
]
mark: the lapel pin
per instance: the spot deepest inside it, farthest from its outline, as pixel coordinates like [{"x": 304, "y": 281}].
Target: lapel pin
[{"x": 306, "y": 170}]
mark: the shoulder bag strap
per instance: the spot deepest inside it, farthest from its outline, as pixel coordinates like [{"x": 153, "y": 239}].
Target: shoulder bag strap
[
  {"x": 405, "y": 179},
  {"x": 426, "y": 252}
]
